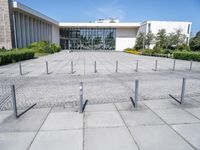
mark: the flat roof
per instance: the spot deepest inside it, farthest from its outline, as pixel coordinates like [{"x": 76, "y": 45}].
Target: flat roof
[
  {"x": 92, "y": 25},
  {"x": 33, "y": 12}
]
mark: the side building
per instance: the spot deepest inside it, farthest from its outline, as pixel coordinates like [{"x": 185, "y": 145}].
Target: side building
[
  {"x": 20, "y": 26},
  {"x": 169, "y": 26}
]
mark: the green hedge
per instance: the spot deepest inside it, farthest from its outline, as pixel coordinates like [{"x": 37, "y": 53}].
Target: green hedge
[
  {"x": 15, "y": 56},
  {"x": 195, "y": 56}
]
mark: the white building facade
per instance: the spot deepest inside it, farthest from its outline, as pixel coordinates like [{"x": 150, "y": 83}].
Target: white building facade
[
  {"x": 169, "y": 26},
  {"x": 24, "y": 26}
]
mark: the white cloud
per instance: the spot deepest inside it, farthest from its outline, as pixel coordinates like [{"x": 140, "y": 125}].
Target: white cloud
[
  {"x": 111, "y": 12},
  {"x": 112, "y": 9}
]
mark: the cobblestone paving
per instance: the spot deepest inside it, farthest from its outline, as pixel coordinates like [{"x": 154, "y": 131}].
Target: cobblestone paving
[{"x": 61, "y": 88}]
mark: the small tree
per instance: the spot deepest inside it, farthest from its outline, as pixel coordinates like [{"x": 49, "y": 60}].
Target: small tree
[
  {"x": 161, "y": 39},
  {"x": 148, "y": 39},
  {"x": 140, "y": 41},
  {"x": 195, "y": 42},
  {"x": 179, "y": 38}
]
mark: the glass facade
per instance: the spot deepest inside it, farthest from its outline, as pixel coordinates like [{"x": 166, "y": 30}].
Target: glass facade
[{"x": 87, "y": 38}]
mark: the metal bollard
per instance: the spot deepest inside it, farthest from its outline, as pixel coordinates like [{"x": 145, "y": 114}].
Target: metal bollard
[
  {"x": 156, "y": 65},
  {"x": 174, "y": 65},
  {"x": 20, "y": 68},
  {"x": 190, "y": 65},
  {"x": 116, "y": 70},
  {"x": 183, "y": 90},
  {"x": 136, "y": 92},
  {"x": 81, "y": 98},
  {"x": 14, "y": 100},
  {"x": 136, "y": 69},
  {"x": 95, "y": 67},
  {"x": 72, "y": 69},
  {"x": 47, "y": 67}
]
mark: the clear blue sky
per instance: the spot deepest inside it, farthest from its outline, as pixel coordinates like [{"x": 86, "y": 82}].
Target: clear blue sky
[{"x": 124, "y": 10}]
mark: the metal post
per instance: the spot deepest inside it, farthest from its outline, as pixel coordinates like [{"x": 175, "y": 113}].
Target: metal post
[
  {"x": 136, "y": 92},
  {"x": 174, "y": 65},
  {"x": 136, "y": 66},
  {"x": 47, "y": 67},
  {"x": 116, "y": 70},
  {"x": 72, "y": 69},
  {"x": 14, "y": 100},
  {"x": 190, "y": 65},
  {"x": 156, "y": 65},
  {"x": 95, "y": 67},
  {"x": 183, "y": 90},
  {"x": 20, "y": 68},
  {"x": 81, "y": 97}
]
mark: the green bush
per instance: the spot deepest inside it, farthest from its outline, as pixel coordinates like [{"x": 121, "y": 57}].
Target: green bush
[
  {"x": 44, "y": 47},
  {"x": 15, "y": 56},
  {"x": 55, "y": 48},
  {"x": 41, "y": 47},
  {"x": 195, "y": 56}
]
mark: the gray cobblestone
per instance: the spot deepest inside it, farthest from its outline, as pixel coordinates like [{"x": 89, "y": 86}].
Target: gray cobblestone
[{"x": 61, "y": 88}]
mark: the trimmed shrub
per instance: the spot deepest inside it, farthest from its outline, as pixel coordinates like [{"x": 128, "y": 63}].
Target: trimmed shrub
[
  {"x": 15, "y": 56},
  {"x": 156, "y": 53},
  {"x": 132, "y": 51},
  {"x": 195, "y": 56}
]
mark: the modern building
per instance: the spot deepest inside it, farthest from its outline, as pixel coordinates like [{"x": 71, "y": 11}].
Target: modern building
[{"x": 21, "y": 26}]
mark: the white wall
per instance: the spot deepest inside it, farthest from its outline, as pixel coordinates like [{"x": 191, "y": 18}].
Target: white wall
[
  {"x": 55, "y": 34},
  {"x": 125, "y": 37},
  {"x": 169, "y": 26}
]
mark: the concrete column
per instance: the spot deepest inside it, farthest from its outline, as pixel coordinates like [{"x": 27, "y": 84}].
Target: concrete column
[
  {"x": 37, "y": 27},
  {"x": 45, "y": 31},
  {"x": 23, "y": 31},
  {"x": 36, "y": 30},
  {"x": 28, "y": 30},
  {"x": 42, "y": 31},
  {"x": 18, "y": 29},
  {"x": 32, "y": 32}
]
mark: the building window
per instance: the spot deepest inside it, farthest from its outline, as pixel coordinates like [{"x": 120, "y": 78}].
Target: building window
[
  {"x": 149, "y": 27},
  {"x": 88, "y": 38},
  {"x": 188, "y": 30}
]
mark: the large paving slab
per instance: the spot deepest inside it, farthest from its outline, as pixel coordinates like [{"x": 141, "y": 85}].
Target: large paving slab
[
  {"x": 100, "y": 107},
  {"x": 30, "y": 121},
  {"x": 16, "y": 140},
  {"x": 103, "y": 119},
  {"x": 58, "y": 140},
  {"x": 160, "y": 104},
  {"x": 109, "y": 139},
  {"x": 128, "y": 106},
  {"x": 137, "y": 118},
  {"x": 63, "y": 120},
  {"x": 176, "y": 116},
  {"x": 4, "y": 115},
  {"x": 195, "y": 112},
  {"x": 191, "y": 132},
  {"x": 158, "y": 137}
]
